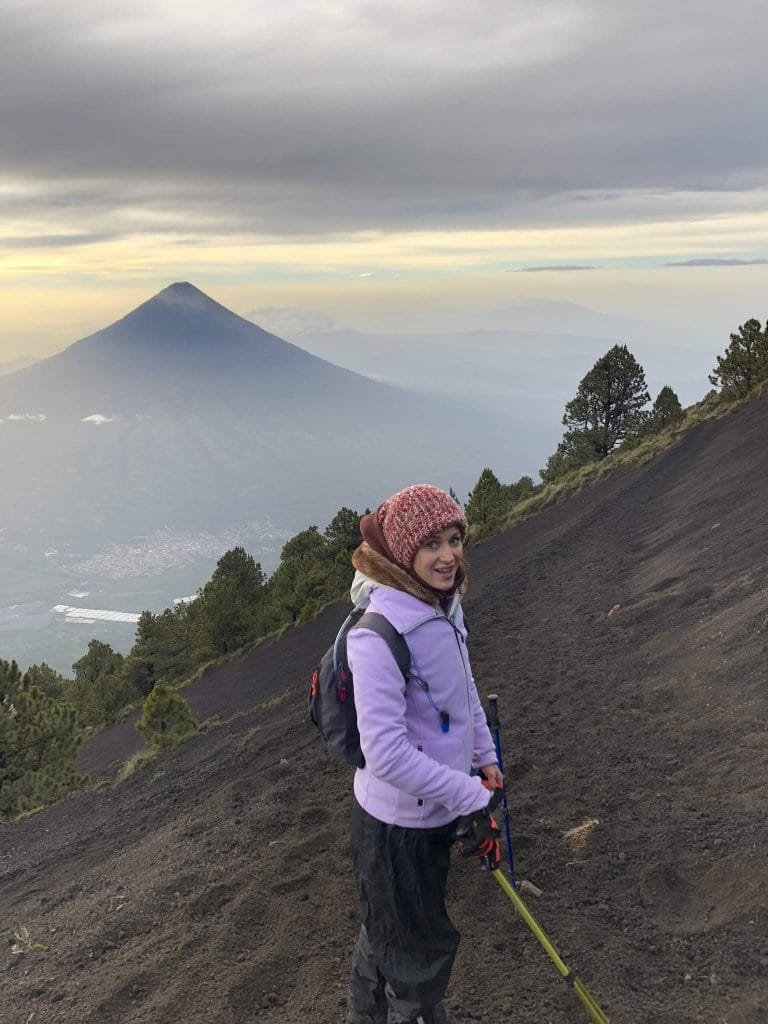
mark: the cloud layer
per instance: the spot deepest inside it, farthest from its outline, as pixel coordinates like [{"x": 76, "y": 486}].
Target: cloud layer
[{"x": 340, "y": 116}]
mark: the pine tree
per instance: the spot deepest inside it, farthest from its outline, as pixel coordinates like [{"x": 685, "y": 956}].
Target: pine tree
[
  {"x": 666, "y": 409},
  {"x": 46, "y": 679},
  {"x": 98, "y": 662},
  {"x": 39, "y": 739},
  {"x": 98, "y": 690},
  {"x": 745, "y": 362},
  {"x": 343, "y": 531},
  {"x": 607, "y": 405},
  {"x": 140, "y": 668},
  {"x": 225, "y": 613},
  {"x": 342, "y": 537},
  {"x": 571, "y": 453},
  {"x": 519, "y": 490},
  {"x": 10, "y": 678},
  {"x": 486, "y": 502},
  {"x": 607, "y": 409},
  {"x": 238, "y": 569},
  {"x": 299, "y": 587}
]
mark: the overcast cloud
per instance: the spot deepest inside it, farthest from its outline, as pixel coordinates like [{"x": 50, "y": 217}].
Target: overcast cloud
[{"x": 352, "y": 116}]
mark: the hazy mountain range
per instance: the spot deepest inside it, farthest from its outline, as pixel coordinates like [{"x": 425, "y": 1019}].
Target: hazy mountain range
[
  {"x": 184, "y": 414},
  {"x": 523, "y": 360},
  {"x": 526, "y": 373}
]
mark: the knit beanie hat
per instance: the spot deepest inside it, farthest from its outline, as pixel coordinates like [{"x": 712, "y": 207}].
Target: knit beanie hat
[{"x": 412, "y": 515}]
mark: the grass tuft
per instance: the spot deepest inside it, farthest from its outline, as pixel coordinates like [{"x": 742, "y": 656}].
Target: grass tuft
[
  {"x": 136, "y": 763},
  {"x": 24, "y": 943},
  {"x": 577, "y": 838}
]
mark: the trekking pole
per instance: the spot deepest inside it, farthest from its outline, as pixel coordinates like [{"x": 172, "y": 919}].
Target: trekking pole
[
  {"x": 509, "y": 887},
  {"x": 569, "y": 977},
  {"x": 494, "y": 725}
]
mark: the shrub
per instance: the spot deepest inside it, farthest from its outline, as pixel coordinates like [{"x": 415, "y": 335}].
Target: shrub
[{"x": 166, "y": 719}]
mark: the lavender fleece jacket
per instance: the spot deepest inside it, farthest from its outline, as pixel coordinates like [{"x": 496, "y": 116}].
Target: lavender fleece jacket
[{"x": 416, "y": 775}]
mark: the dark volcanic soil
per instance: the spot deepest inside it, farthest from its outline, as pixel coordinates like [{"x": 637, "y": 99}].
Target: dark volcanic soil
[{"x": 214, "y": 885}]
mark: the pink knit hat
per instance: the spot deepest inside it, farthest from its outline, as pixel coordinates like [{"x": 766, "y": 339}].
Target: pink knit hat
[{"x": 413, "y": 514}]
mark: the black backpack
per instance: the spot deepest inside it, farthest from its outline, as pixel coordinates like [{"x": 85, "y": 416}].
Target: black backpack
[{"x": 331, "y": 693}]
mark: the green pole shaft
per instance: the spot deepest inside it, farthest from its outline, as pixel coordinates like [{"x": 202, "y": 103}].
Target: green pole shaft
[
  {"x": 532, "y": 923},
  {"x": 584, "y": 997}
]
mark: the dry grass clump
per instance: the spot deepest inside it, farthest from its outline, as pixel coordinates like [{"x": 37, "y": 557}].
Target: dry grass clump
[{"x": 577, "y": 837}]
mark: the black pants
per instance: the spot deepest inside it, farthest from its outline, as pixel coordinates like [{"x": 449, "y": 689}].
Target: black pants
[{"x": 407, "y": 943}]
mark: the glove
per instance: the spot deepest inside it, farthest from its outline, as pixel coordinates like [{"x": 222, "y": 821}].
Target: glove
[{"x": 477, "y": 834}]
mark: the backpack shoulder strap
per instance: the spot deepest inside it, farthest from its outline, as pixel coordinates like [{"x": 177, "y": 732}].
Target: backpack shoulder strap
[{"x": 395, "y": 640}]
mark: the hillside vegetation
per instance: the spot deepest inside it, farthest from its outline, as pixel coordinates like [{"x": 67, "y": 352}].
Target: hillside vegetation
[{"x": 608, "y": 425}]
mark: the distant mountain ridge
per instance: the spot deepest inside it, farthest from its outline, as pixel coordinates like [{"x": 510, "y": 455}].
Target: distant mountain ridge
[{"x": 532, "y": 372}]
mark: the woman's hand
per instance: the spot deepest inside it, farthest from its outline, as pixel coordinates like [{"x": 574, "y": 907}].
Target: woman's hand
[{"x": 493, "y": 776}]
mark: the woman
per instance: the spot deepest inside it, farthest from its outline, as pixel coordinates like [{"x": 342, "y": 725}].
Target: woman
[{"x": 420, "y": 739}]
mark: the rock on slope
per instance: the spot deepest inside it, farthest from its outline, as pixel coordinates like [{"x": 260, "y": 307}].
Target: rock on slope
[{"x": 215, "y": 884}]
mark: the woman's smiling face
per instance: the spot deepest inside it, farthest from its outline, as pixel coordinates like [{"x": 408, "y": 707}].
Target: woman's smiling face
[{"x": 437, "y": 561}]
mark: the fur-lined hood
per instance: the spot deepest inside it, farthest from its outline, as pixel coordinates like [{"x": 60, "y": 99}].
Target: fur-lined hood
[{"x": 374, "y": 570}]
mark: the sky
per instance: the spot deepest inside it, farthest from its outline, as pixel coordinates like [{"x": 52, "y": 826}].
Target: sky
[{"x": 383, "y": 166}]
